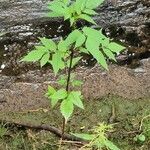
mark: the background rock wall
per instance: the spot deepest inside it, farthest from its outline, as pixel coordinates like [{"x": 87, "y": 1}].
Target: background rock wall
[{"x": 128, "y": 20}]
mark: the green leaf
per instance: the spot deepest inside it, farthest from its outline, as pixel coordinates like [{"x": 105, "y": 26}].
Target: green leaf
[
  {"x": 79, "y": 6},
  {"x": 91, "y": 4},
  {"x": 90, "y": 12},
  {"x": 41, "y": 48},
  {"x": 50, "y": 91},
  {"x": 75, "y": 97},
  {"x": 109, "y": 54},
  {"x": 66, "y": 108},
  {"x": 141, "y": 138},
  {"x": 80, "y": 40},
  {"x": 114, "y": 47},
  {"x": 88, "y": 137},
  {"x": 57, "y": 7},
  {"x": 62, "y": 46},
  {"x": 54, "y": 14},
  {"x": 87, "y": 18},
  {"x": 72, "y": 20},
  {"x": 74, "y": 62},
  {"x": 110, "y": 145},
  {"x": 57, "y": 62},
  {"x": 60, "y": 94},
  {"x": 33, "y": 56},
  {"x": 48, "y": 43},
  {"x": 72, "y": 37},
  {"x": 93, "y": 47},
  {"x": 92, "y": 33},
  {"x": 44, "y": 59},
  {"x": 83, "y": 50}
]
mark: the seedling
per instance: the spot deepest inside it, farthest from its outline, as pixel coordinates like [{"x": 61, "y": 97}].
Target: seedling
[
  {"x": 61, "y": 55},
  {"x": 98, "y": 138}
]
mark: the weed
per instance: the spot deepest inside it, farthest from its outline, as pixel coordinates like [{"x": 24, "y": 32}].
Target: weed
[{"x": 62, "y": 54}]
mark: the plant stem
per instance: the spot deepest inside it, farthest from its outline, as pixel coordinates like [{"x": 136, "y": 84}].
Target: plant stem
[{"x": 67, "y": 89}]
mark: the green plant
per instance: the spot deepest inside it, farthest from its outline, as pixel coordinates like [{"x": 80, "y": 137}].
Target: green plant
[
  {"x": 66, "y": 53},
  {"x": 98, "y": 138},
  {"x": 3, "y": 130}
]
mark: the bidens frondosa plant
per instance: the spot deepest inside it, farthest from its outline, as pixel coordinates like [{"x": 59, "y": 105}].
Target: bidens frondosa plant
[
  {"x": 98, "y": 138},
  {"x": 61, "y": 55}
]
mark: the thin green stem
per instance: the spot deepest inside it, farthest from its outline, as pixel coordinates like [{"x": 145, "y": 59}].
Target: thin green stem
[{"x": 67, "y": 88}]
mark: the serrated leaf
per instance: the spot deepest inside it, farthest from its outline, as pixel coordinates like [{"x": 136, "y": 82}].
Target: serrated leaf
[
  {"x": 87, "y": 18},
  {"x": 66, "y": 108},
  {"x": 92, "y": 33},
  {"x": 90, "y": 12},
  {"x": 93, "y": 47},
  {"x": 57, "y": 62},
  {"x": 114, "y": 47},
  {"x": 33, "y": 56},
  {"x": 44, "y": 59},
  {"x": 74, "y": 62},
  {"x": 60, "y": 94},
  {"x": 91, "y": 4},
  {"x": 72, "y": 37},
  {"x": 84, "y": 136},
  {"x": 111, "y": 145},
  {"x": 80, "y": 40},
  {"x": 48, "y": 43},
  {"x": 75, "y": 97},
  {"x": 109, "y": 54}
]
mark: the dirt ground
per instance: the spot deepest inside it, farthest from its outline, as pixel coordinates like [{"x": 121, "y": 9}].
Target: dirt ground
[{"x": 26, "y": 91}]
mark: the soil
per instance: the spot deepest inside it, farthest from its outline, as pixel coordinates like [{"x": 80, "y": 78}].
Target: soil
[{"x": 27, "y": 91}]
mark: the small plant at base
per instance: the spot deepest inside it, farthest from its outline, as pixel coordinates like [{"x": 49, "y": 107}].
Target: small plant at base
[
  {"x": 145, "y": 130},
  {"x": 61, "y": 55},
  {"x": 98, "y": 138},
  {"x": 3, "y": 130}
]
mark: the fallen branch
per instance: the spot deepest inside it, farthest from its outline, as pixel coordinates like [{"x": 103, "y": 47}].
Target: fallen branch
[{"x": 46, "y": 127}]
